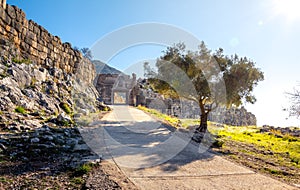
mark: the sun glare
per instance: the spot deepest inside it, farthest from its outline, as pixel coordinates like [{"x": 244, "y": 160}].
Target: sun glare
[{"x": 289, "y": 9}]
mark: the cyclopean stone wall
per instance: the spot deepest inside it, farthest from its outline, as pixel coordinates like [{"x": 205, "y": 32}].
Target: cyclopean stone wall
[{"x": 34, "y": 42}]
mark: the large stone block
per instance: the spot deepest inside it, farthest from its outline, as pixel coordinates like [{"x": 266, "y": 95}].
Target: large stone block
[
  {"x": 55, "y": 49},
  {"x": 20, "y": 15},
  {"x": 67, "y": 45},
  {"x": 24, "y": 33},
  {"x": 25, "y": 23},
  {"x": 2, "y": 12},
  {"x": 54, "y": 43},
  {"x": 50, "y": 46},
  {"x": 42, "y": 55},
  {"x": 57, "y": 39},
  {"x": 45, "y": 49},
  {"x": 24, "y": 46},
  {"x": 17, "y": 40},
  {"x": 31, "y": 24},
  {"x": 11, "y": 30},
  {"x": 31, "y": 35},
  {"x": 33, "y": 51},
  {"x": 7, "y": 19},
  {"x": 34, "y": 44},
  {"x": 18, "y": 26},
  {"x": 3, "y": 31},
  {"x": 36, "y": 30},
  {"x": 11, "y": 11}
]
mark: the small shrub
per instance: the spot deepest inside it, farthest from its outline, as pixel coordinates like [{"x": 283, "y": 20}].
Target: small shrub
[
  {"x": 33, "y": 81},
  {"x": 65, "y": 123},
  {"x": 77, "y": 180},
  {"x": 65, "y": 107},
  {"x": 3, "y": 75},
  {"x": 84, "y": 169},
  {"x": 218, "y": 143},
  {"x": 4, "y": 180},
  {"x": 20, "y": 109},
  {"x": 20, "y": 61}
]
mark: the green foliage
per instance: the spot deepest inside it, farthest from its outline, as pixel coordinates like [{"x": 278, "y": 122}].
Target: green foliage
[
  {"x": 190, "y": 122},
  {"x": 20, "y": 109},
  {"x": 87, "y": 53},
  {"x": 3, "y": 75},
  {"x": 84, "y": 169},
  {"x": 77, "y": 180},
  {"x": 66, "y": 123},
  {"x": 218, "y": 143},
  {"x": 173, "y": 121},
  {"x": 32, "y": 83},
  {"x": 65, "y": 107},
  {"x": 20, "y": 61},
  {"x": 4, "y": 180}
]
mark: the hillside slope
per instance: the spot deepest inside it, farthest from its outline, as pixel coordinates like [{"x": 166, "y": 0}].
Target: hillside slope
[{"x": 102, "y": 68}]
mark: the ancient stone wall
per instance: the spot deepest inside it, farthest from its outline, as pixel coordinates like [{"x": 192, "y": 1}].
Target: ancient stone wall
[{"x": 34, "y": 42}]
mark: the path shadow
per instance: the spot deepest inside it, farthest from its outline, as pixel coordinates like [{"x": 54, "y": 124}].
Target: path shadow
[{"x": 146, "y": 144}]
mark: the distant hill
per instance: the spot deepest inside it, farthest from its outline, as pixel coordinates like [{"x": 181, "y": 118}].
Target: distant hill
[{"x": 103, "y": 68}]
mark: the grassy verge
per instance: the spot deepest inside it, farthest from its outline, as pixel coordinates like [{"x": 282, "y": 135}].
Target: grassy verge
[
  {"x": 270, "y": 153},
  {"x": 173, "y": 121}
]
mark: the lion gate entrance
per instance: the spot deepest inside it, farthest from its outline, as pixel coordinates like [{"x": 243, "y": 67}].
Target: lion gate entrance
[
  {"x": 117, "y": 89},
  {"x": 120, "y": 97}
]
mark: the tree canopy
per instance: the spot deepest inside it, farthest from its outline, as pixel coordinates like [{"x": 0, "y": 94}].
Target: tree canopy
[
  {"x": 209, "y": 78},
  {"x": 87, "y": 53}
]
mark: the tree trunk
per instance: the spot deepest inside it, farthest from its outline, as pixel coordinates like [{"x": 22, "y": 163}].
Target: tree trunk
[{"x": 203, "y": 123}]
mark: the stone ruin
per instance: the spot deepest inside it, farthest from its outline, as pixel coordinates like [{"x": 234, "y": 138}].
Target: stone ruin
[{"x": 118, "y": 89}]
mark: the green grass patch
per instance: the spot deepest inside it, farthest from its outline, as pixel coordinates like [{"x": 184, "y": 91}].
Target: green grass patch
[
  {"x": 173, "y": 121},
  {"x": 275, "y": 141},
  {"x": 77, "y": 180},
  {"x": 65, "y": 107},
  {"x": 20, "y": 109},
  {"x": 189, "y": 122},
  {"x": 20, "y": 61},
  {"x": 3, "y": 75},
  {"x": 84, "y": 169},
  {"x": 4, "y": 180}
]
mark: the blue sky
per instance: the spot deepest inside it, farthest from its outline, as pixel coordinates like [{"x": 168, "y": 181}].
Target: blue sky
[{"x": 267, "y": 31}]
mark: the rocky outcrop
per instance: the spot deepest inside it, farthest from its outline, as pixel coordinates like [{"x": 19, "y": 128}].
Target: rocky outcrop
[
  {"x": 32, "y": 95},
  {"x": 281, "y": 131},
  {"x": 234, "y": 117}
]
